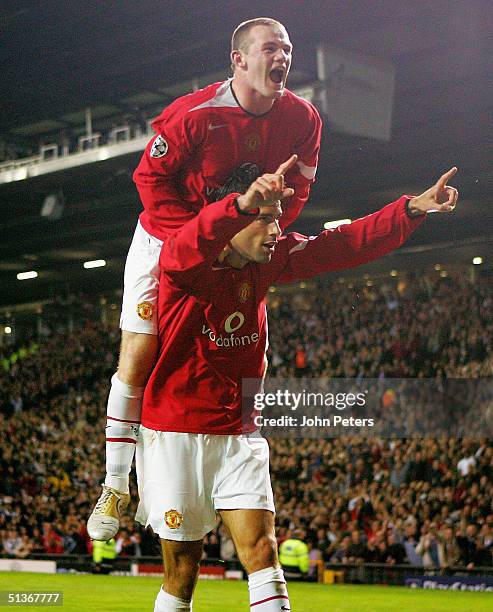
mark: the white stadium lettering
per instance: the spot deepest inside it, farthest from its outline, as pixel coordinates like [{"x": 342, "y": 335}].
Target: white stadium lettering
[{"x": 228, "y": 324}]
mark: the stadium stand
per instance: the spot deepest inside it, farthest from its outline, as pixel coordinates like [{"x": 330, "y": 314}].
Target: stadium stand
[{"x": 423, "y": 502}]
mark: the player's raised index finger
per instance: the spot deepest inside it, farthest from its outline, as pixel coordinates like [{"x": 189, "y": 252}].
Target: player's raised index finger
[
  {"x": 287, "y": 165},
  {"x": 442, "y": 181}
]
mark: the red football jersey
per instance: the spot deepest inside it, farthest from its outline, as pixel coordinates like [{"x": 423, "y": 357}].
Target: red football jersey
[
  {"x": 204, "y": 136},
  {"x": 212, "y": 321}
]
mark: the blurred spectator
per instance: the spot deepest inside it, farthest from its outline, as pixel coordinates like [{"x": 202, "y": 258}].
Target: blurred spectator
[
  {"x": 466, "y": 539},
  {"x": 466, "y": 464},
  {"x": 396, "y": 553},
  {"x": 11, "y": 542},
  {"x": 227, "y": 549},
  {"x": 341, "y": 554},
  {"x": 314, "y": 555},
  {"x": 124, "y": 545},
  {"x": 482, "y": 555},
  {"x": 300, "y": 361},
  {"x": 24, "y": 548},
  {"x": 450, "y": 551},
  {"x": 429, "y": 547},
  {"x": 294, "y": 554},
  {"x": 356, "y": 549},
  {"x": 104, "y": 551},
  {"x": 52, "y": 541},
  {"x": 212, "y": 549}
]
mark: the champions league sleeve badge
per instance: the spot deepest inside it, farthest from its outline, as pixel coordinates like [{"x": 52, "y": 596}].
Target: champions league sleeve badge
[{"x": 159, "y": 147}]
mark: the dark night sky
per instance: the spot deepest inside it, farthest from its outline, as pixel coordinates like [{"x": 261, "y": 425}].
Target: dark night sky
[{"x": 58, "y": 56}]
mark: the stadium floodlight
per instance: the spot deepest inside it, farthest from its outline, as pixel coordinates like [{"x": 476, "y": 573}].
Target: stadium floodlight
[
  {"x": 477, "y": 261},
  {"x": 334, "y": 224},
  {"x": 27, "y": 275},
  {"x": 96, "y": 263},
  {"x": 8, "y": 329}
]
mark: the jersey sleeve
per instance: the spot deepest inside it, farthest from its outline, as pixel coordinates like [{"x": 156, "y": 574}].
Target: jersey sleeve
[
  {"x": 200, "y": 241},
  {"x": 301, "y": 177},
  {"x": 347, "y": 246},
  {"x": 158, "y": 173}
]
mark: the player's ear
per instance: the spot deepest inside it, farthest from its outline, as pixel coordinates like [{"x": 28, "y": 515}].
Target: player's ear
[
  {"x": 237, "y": 59},
  {"x": 224, "y": 253}
]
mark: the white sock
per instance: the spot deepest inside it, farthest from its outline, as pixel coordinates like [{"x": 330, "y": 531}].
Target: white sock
[
  {"x": 169, "y": 603},
  {"x": 122, "y": 428},
  {"x": 268, "y": 592}
]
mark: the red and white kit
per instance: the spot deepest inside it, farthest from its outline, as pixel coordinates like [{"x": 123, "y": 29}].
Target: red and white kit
[
  {"x": 202, "y": 138},
  {"x": 212, "y": 332}
]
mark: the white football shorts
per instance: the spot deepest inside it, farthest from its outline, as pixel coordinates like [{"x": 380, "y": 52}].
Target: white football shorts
[
  {"x": 184, "y": 479},
  {"x": 141, "y": 283}
]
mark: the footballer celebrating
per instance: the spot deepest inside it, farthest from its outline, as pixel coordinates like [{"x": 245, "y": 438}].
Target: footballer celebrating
[
  {"x": 208, "y": 143},
  {"x": 197, "y": 455}
]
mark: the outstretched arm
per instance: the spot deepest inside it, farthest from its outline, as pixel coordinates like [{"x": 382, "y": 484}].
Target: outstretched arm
[{"x": 365, "y": 239}]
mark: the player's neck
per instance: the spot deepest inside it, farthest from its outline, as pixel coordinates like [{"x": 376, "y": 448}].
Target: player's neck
[
  {"x": 250, "y": 100},
  {"x": 235, "y": 260},
  {"x": 232, "y": 258}
]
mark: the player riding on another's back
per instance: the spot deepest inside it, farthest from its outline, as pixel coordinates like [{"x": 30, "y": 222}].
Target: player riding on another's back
[{"x": 209, "y": 143}]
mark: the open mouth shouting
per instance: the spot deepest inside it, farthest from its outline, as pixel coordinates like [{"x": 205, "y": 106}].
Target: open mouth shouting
[{"x": 277, "y": 75}]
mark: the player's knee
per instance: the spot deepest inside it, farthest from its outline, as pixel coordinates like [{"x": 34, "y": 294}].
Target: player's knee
[
  {"x": 260, "y": 554},
  {"x": 137, "y": 358}
]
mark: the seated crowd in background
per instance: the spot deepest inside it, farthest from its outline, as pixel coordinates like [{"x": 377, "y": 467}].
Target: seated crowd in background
[{"x": 425, "y": 502}]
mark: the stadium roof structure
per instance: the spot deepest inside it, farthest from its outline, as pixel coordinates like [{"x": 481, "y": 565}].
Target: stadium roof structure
[{"x": 126, "y": 60}]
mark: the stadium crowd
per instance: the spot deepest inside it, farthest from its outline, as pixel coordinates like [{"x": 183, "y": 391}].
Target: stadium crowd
[{"x": 426, "y": 501}]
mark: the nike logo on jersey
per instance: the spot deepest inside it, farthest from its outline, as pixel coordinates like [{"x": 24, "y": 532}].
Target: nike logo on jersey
[{"x": 216, "y": 127}]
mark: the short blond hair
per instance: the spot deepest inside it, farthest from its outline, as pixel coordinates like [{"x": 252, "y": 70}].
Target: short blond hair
[{"x": 239, "y": 40}]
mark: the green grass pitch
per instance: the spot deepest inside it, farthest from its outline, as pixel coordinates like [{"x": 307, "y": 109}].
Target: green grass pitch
[{"x": 82, "y": 593}]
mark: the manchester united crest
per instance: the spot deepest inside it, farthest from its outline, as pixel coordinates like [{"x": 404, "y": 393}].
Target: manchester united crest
[
  {"x": 145, "y": 310},
  {"x": 253, "y": 142},
  {"x": 173, "y": 519},
  {"x": 244, "y": 292}
]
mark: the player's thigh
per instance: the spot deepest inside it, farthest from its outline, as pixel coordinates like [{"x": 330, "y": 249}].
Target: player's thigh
[
  {"x": 253, "y": 534},
  {"x": 175, "y": 496},
  {"x": 141, "y": 284},
  {"x": 243, "y": 480},
  {"x": 243, "y": 497},
  {"x": 182, "y": 558},
  {"x": 247, "y": 527}
]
